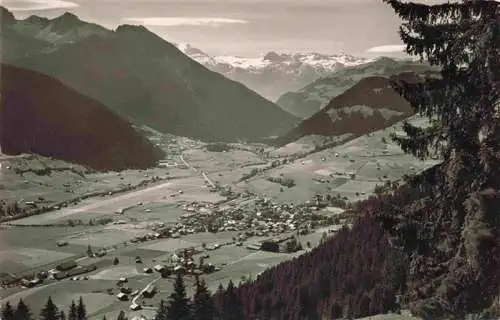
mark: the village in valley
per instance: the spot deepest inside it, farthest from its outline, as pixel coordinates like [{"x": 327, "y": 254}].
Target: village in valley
[{"x": 221, "y": 212}]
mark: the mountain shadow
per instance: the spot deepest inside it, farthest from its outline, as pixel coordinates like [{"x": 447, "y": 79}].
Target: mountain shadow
[{"x": 40, "y": 115}]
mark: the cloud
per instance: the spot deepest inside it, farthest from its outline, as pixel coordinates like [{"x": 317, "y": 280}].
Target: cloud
[
  {"x": 185, "y": 21},
  {"x": 34, "y": 5},
  {"x": 387, "y": 48}
]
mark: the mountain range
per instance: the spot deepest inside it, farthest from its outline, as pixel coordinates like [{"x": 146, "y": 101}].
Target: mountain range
[
  {"x": 355, "y": 92},
  {"x": 274, "y": 74},
  {"x": 142, "y": 77},
  {"x": 39, "y": 114},
  {"x": 369, "y": 105},
  {"x": 362, "y": 103},
  {"x": 311, "y": 98}
]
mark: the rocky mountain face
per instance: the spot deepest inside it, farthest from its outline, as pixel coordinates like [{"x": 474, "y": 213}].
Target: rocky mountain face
[
  {"x": 316, "y": 95},
  {"x": 143, "y": 78},
  {"x": 40, "y": 115},
  {"x": 274, "y": 74},
  {"x": 370, "y": 105}
]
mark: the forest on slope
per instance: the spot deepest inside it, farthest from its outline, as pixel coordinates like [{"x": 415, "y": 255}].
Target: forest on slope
[{"x": 433, "y": 244}]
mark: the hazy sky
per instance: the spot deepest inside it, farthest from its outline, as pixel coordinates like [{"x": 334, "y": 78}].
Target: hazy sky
[{"x": 241, "y": 27}]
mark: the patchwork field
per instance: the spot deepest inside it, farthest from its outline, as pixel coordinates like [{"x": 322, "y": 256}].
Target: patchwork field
[
  {"x": 250, "y": 265},
  {"x": 116, "y": 273},
  {"x": 169, "y": 245},
  {"x": 31, "y": 257}
]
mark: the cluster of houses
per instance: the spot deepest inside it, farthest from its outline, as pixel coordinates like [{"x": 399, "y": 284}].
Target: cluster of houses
[
  {"x": 67, "y": 269},
  {"x": 262, "y": 217},
  {"x": 125, "y": 292},
  {"x": 183, "y": 262},
  {"x": 259, "y": 217}
]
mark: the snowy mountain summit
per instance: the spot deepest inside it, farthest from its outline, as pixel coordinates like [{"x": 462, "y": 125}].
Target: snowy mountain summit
[{"x": 274, "y": 73}]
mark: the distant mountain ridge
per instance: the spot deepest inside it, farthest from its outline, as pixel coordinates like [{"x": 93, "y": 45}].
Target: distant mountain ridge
[
  {"x": 371, "y": 104},
  {"x": 316, "y": 95},
  {"x": 274, "y": 74},
  {"x": 143, "y": 78},
  {"x": 40, "y": 115}
]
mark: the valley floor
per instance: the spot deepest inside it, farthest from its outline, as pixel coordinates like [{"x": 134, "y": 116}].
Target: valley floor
[{"x": 183, "y": 185}]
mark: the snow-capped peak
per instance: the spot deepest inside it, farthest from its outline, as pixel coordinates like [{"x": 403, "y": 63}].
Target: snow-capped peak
[
  {"x": 312, "y": 59},
  {"x": 196, "y": 54},
  {"x": 274, "y": 73}
]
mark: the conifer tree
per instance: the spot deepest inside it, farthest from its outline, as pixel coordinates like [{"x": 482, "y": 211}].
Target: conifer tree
[
  {"x": 218, "y": 299},
  {"x": 161, "y": 313},
  {"x": 62, "y": 315},
  {"x": 90, "y": 252},
  {"x": 178, "y": 307},
  {"x": 461, "y": 39},
  {"x": 220, "y": 289},
  {"x": 232, "y": 308},
  {"x": 81, "y": 310},
  {"x": 49, "y": 311},
  {"x": 7, "y": 312},
  {"x": 203, "y": 304},
  {"x": 22, "y": 311},
  {"x": 104, "y": 317},
  {"x": 72, "y": 313},
  {"x": 121, "y": 316}
]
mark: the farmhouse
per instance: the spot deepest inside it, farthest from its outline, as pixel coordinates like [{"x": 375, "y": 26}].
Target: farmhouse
[
  {"x": 134, "y": 306},
  {"x": 122, "y": 296},
  {"x": 27, "y": 283},
  {"x": 125, "y": 290},
  {"x": 100, "y": 253},
  {"x": 179, "y": 269},
  {"x": 122, "y": 280},
  {"x": 270, "y": 245},
  {"x": 149, "y": 292},
  {"x": 254, "y": 246},
  {"x": 65, "y": 266},
  {"x": 159, "y": 268},
  {"x": 62, "y": 243}
]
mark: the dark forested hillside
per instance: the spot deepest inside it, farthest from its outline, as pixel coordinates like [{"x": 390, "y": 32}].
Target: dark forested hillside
[
  {"x": 355, "y": 274},
  {"x": 40, "y": 115}
]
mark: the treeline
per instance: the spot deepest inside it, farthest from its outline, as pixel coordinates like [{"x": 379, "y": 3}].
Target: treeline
[
  {"x": 226, "y": 304},
  {"x": 49, "y": 312},
  {"x": 10, "y": 209},
  {"x": 178, "y": 306},
  {"x": 284, "y": 181},
  {"x": 47, "y": 171}
]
